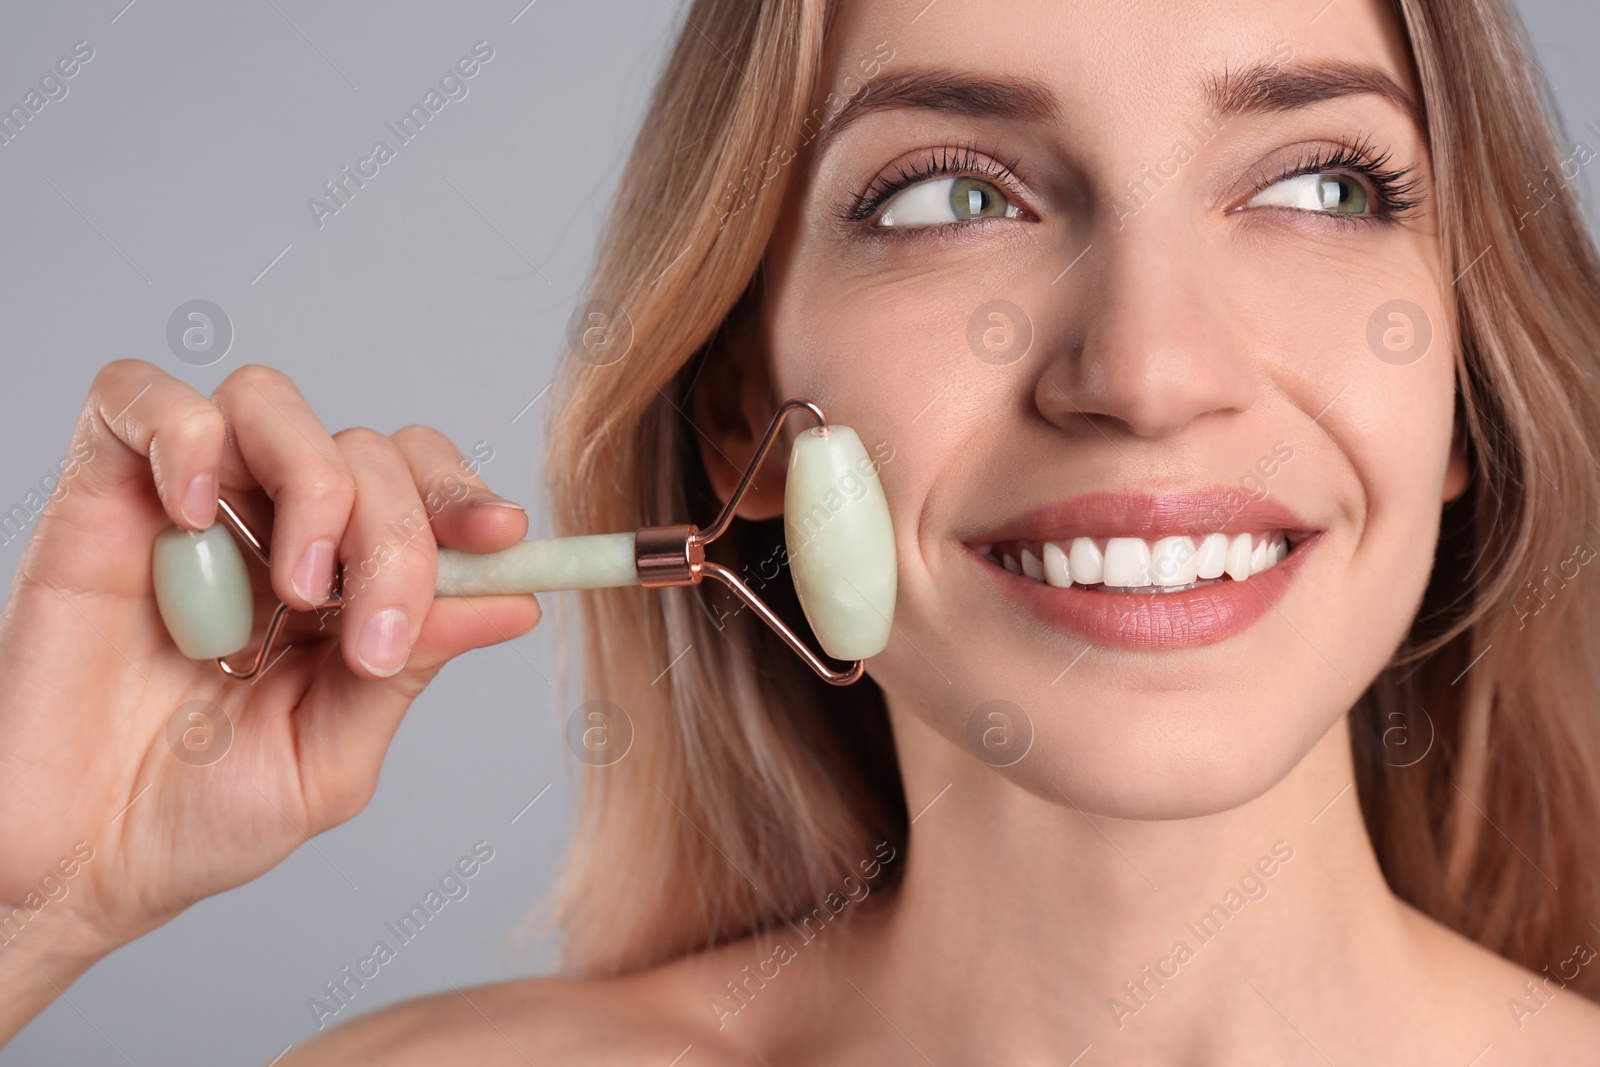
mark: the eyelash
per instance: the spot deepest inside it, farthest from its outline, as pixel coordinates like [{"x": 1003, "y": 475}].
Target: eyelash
[
  {"x": 1397, "y": 197},
  {"x": 964, "y": 160},
  {"x": 1395, "y": 192}
]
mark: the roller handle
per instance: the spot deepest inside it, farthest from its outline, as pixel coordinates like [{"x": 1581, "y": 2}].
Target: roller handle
[{"x": 547, "y": 565}]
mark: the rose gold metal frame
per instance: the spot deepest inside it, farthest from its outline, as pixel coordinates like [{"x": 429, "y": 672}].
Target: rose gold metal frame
[{"x": 676, "y": 555}]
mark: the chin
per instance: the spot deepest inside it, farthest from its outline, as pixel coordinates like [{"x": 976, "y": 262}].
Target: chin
[{"x": 1179, "y": 755}]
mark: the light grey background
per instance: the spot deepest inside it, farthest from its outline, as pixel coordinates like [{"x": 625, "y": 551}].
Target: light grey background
[{"x": 178, "y": 167}]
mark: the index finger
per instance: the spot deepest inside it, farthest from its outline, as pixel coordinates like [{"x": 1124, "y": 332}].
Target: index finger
[{"x": 464, "y": 511}]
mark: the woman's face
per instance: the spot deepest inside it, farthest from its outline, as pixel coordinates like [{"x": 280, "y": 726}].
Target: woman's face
[{"x": 1089, "y": 264}]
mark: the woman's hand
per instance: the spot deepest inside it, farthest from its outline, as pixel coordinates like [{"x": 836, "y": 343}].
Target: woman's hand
[{"x": 115, "y": 812}]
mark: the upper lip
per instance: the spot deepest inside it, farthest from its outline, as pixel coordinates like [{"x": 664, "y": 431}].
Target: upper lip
[{"x": 1192, "y": 512}]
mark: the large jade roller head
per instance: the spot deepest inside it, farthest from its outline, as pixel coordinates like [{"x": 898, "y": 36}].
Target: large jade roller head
[
  {"x": 836, "y": 525},
  {"x": 841, "y": 546}
]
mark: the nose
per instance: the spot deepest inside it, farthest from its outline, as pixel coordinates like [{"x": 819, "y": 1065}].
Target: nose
[{"x": 1155, "y": 344}]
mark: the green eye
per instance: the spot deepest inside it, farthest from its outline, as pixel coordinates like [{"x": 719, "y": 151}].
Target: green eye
[
  {"x": 1328, "y": 193},
  {"x": 946, "y": 200},
  {"x": 974, "y": 199}
]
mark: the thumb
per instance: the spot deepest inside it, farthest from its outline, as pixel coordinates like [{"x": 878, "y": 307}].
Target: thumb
[{"x": 457, "y": 624}]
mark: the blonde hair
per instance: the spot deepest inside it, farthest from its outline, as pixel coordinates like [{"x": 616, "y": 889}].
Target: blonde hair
[{"x": 751, "y": 785}]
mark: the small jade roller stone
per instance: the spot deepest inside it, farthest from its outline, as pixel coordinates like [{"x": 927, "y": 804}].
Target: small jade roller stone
[{"x": 203, "y": 590}]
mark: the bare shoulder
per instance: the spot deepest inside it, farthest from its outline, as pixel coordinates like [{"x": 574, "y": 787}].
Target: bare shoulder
[
  {"x": 743, "y": 1003},
  {"x": 599, "y": 1022},
  {"x": 1525, "y": 1016}
]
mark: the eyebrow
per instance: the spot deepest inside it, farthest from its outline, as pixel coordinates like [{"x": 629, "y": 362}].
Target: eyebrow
[
  {"x": 1261, "y": 87},
  {"x": 1269, "y": 87},
  {"x": 949, "y": 90}
]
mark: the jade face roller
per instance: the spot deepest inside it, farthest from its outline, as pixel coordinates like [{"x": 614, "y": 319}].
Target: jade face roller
[{"x": 836, "y": 527}]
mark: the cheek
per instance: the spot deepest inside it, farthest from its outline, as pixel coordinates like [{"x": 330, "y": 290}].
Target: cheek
[
  {"x": 1395, "y": 436},
  {"x": 890, "y": 361},
  {"x": 1357, "y": 343}
]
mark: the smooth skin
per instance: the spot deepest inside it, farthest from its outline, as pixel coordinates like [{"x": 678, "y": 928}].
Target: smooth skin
[{"x": 1187, "y": 337}]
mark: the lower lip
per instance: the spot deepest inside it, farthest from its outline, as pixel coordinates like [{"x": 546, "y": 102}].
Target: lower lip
[{"x": 1155, "y": 620}]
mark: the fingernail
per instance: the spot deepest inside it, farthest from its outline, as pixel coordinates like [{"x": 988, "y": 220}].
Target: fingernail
[
  {"x": 496, "y": 502},
  {"x": 199, "y": 504},
  {"x": 382, "y": 648},
  {"x": 313, "y": 575}
]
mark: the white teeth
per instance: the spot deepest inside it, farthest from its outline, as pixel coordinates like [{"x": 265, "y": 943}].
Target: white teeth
[
  {"x": 1128, "y": 562},
  {"x": 1085, "y": 561},
  {"x": 1212, "y": 557},
  {"x": 1173, "y": 561},
  {"x": 1056, "y": 570},
  {"x": 1239, "y": 557},
  {"x": 1168, "y": 564}
]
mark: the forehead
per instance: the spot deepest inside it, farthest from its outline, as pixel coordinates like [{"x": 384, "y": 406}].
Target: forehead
[{"x": 1114, "y": 63}]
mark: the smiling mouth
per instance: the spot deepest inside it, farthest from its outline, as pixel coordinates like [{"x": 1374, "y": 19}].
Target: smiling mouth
[
  {"x": 1149, "y": 570},
  {"x": 1155, "y": 566}
]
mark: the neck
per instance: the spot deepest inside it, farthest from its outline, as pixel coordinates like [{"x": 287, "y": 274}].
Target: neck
[{"x": 1025, "y": 925}]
